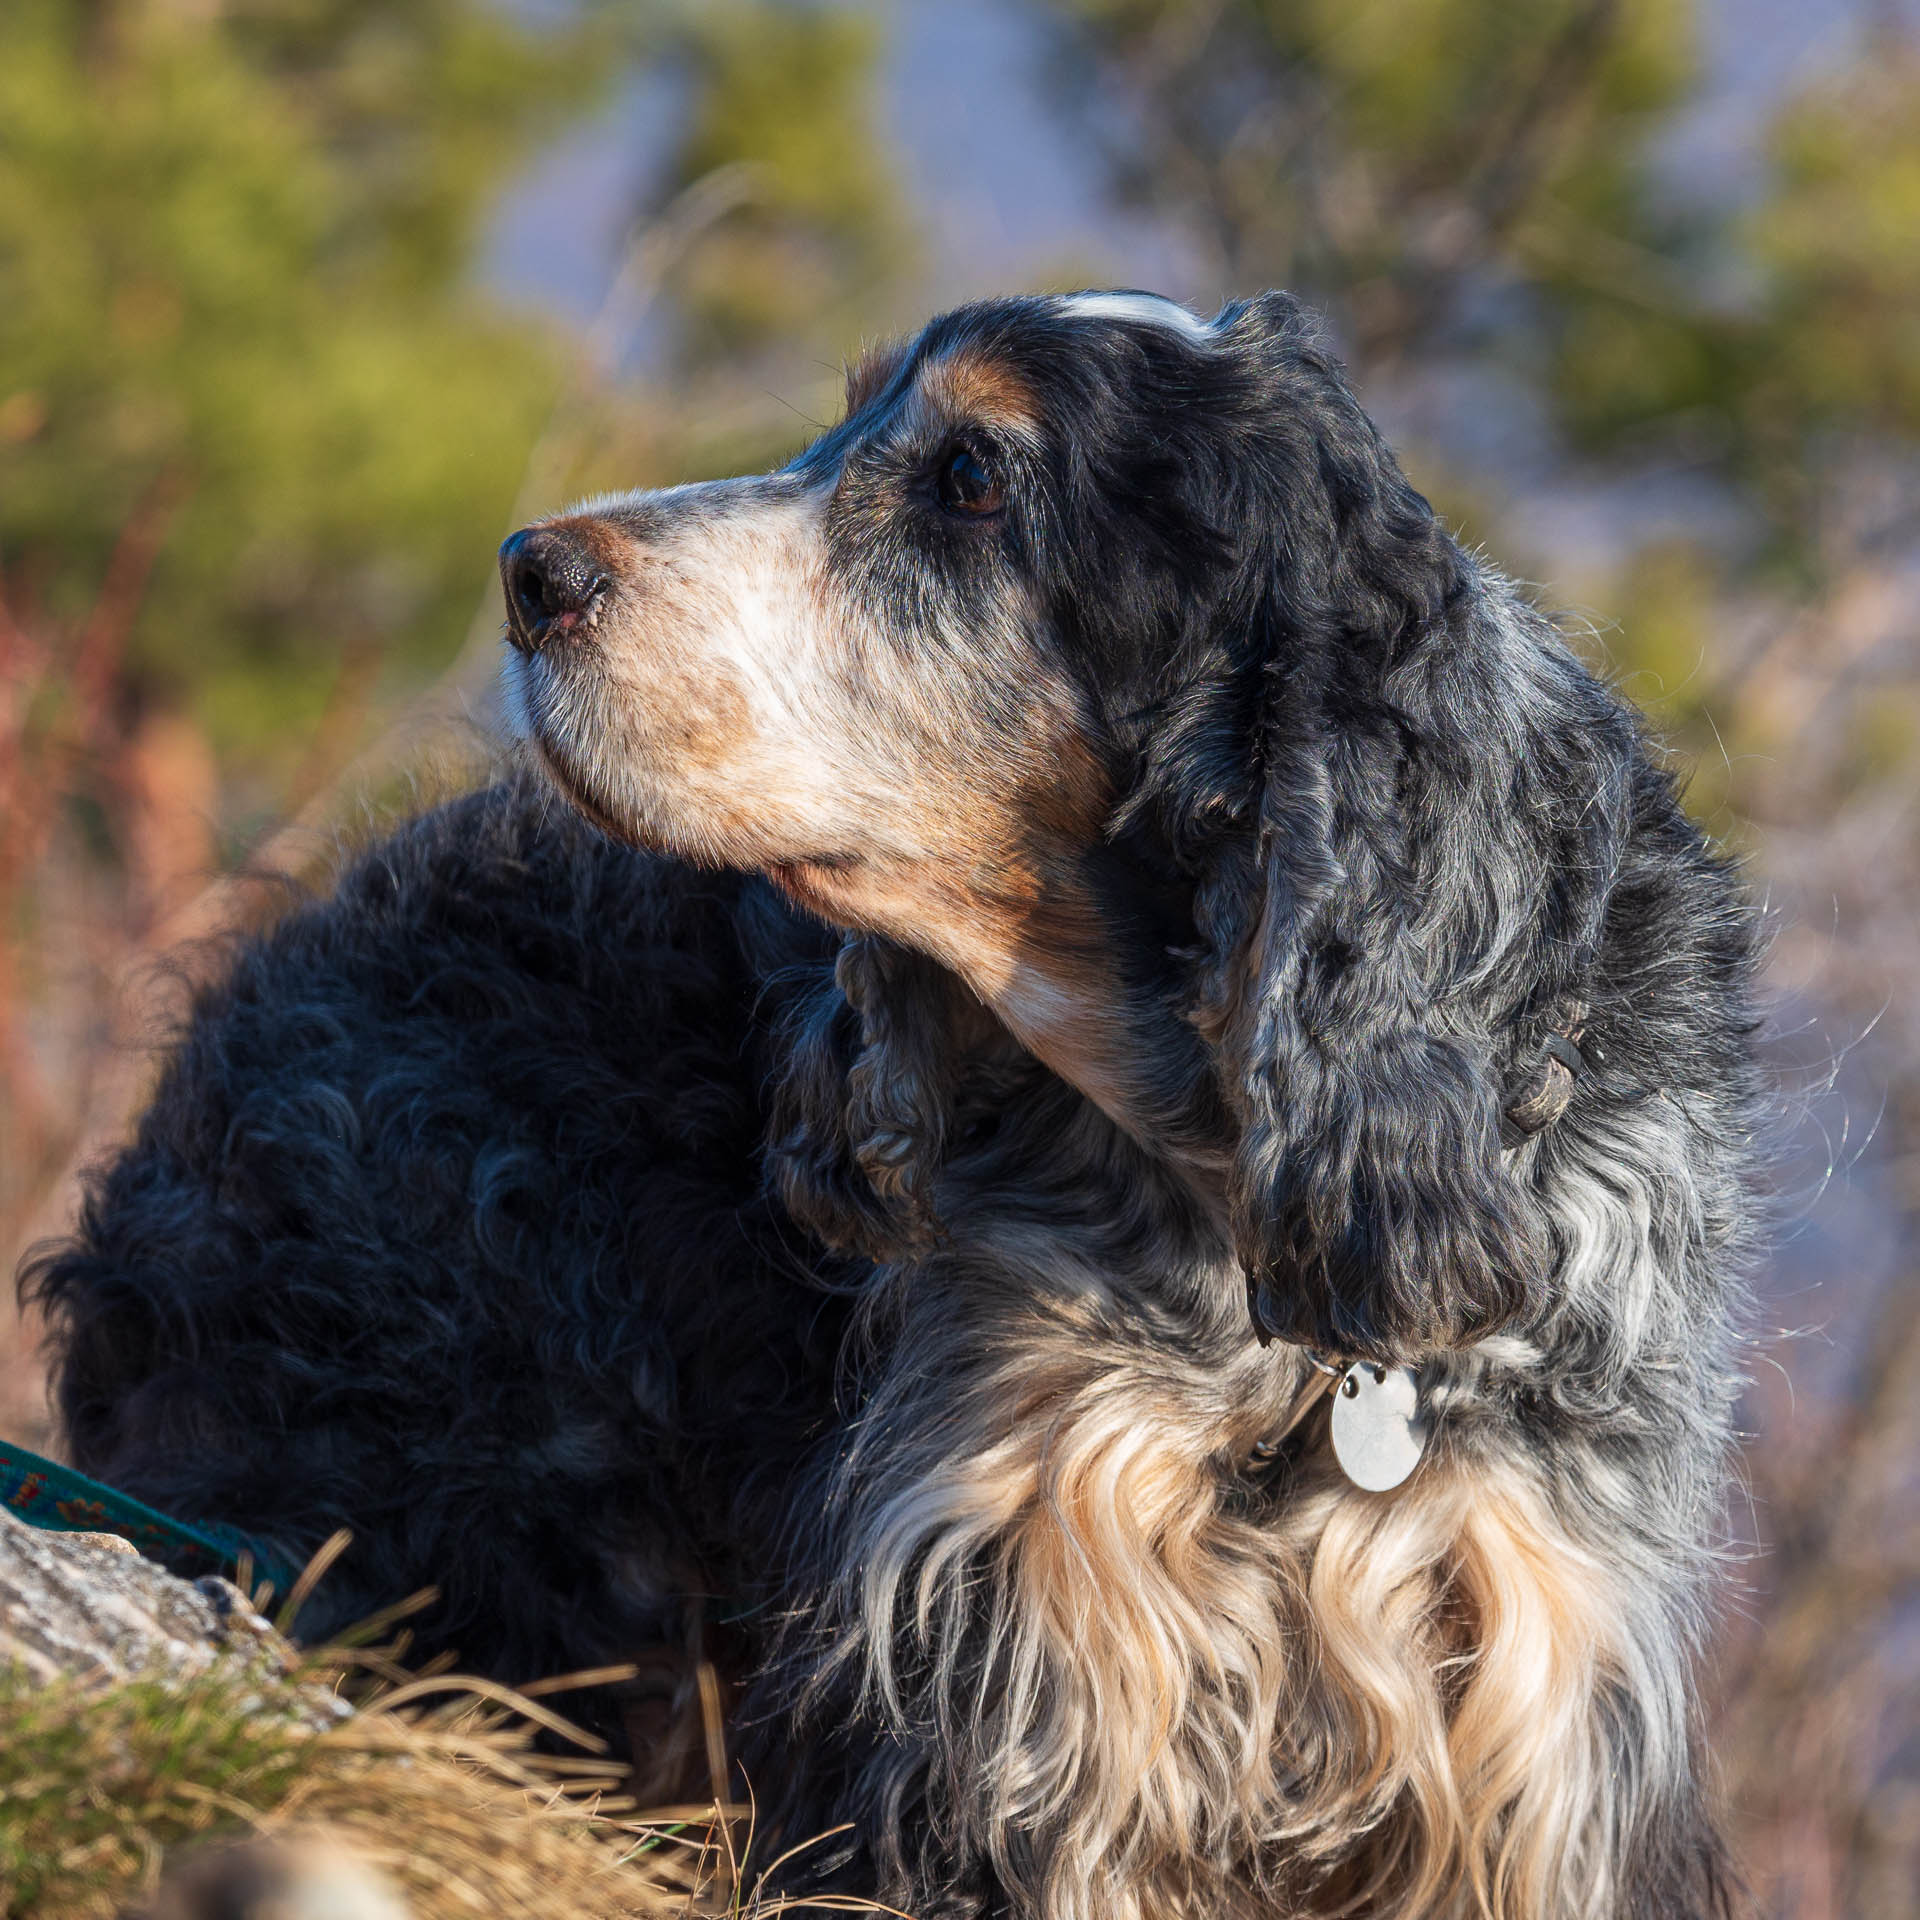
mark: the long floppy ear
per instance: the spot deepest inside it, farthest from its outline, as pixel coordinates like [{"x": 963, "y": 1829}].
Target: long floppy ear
[
  {"x": 1353, "y": 911},
  {"x": 1370, "y": 1209},
  {"x": 863, "y": 1107}
]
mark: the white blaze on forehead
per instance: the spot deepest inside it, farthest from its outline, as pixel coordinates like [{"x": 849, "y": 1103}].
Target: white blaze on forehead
[{"x": 1143, "y": 309}]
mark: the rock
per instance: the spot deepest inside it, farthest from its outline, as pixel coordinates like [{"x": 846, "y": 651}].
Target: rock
[
  {"x": 109, "y": 1542},
  {"x": 89, "y": 1605}
]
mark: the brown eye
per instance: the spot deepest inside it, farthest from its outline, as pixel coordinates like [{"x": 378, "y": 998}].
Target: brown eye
[{"x": 968, "y": 485}]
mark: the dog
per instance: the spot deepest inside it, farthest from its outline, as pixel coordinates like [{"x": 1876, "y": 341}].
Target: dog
[{"x": 1080, "y": 914}]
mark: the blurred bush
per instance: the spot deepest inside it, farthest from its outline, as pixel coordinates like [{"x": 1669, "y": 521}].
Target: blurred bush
[
  {"x": 260, "y": 432},
  {"x": 234, "y": 327}
]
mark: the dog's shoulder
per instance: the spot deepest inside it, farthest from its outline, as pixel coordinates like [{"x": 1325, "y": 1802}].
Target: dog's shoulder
[
  {"x": 453, "y": 1181},
  {"x": 510, "y": 872}
]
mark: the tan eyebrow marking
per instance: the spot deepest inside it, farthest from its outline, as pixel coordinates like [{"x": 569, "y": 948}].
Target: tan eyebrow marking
[{"x": 985, "y": 388}]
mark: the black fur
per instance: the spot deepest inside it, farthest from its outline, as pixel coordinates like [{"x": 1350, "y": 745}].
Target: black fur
[{"x": 445, "y": 1225}]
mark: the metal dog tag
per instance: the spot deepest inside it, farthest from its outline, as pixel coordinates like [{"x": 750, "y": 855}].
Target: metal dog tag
[{"x": 1378, "y": 1433}]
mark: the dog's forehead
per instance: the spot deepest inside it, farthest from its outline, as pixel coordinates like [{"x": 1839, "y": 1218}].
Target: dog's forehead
[
  {"x": 993, "y": 361},
  {"x": 969, "y": 357},
  {"x": 1007, "y": 325}
]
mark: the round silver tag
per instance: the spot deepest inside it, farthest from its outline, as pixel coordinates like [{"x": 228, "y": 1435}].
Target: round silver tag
[{"x": 1378, "y": 1434}]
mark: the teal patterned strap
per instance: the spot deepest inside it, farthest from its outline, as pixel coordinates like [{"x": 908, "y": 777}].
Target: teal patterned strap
[{"x": 62, "y": 1500}]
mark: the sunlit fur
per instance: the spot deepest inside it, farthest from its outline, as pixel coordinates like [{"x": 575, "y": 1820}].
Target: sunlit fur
[
  {"x": 1128, "y": 1684},
  {"x": 1208, "y": 842}
]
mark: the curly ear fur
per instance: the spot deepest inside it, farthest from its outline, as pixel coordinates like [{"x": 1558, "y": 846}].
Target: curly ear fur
[
  {"x": 1370, "y": 1208},
  {"x": 862, "y": 1111},
  {"x": 1367, "y": 913}
]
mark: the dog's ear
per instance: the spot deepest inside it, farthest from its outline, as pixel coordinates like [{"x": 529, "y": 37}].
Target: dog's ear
[
  {"x": 1370, "y": 1208},
  {"x": 863, "y": 1106},
  {"x": 1348, "y": 914}
]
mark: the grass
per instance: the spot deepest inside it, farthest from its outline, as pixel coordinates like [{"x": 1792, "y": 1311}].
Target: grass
[{"x": 432, "y": 1780}]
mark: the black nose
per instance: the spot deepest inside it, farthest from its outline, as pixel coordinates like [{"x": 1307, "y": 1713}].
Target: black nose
[{"x": 550, "y": 580}]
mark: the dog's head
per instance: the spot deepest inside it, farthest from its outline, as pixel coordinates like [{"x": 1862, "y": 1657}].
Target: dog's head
[{"x": 1102, "y": 660}]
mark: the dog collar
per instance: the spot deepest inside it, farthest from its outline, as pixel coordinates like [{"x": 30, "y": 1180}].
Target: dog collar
[{"x": 1325, "y": 1375}]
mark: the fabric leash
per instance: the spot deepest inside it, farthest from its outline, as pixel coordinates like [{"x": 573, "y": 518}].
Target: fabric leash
[{"x": 60, "y": 1499}]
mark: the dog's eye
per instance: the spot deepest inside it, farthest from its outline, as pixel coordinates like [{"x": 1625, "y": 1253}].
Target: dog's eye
[{"x": 968, "y": 485}]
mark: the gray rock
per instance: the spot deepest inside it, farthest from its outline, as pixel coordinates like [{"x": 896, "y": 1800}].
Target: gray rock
[{"x": 89, "y": 1605}]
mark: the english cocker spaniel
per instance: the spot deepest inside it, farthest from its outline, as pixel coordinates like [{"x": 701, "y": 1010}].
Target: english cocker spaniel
[{"x": 1099, "y": 921}]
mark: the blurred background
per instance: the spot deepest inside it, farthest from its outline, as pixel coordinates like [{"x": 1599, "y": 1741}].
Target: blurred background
[{"x": 304, "y": 304}]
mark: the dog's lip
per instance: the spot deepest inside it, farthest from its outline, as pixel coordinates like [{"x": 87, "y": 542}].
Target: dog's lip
[{"x": 567, "y": 622}]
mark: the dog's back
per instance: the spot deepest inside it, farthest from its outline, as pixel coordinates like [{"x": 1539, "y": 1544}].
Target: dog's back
[{"x": 445, "y": 1226}]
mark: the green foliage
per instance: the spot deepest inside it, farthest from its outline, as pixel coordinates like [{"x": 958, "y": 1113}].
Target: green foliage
[
  {"x": 1434, "y": 83},
  {"x": 1820, "y": 339},
  {"x": 231, "y": 247},
  {"x": 427, "y": 107},
  {"x": 1823, "y": 330},
  {"x": 1840, "y": 237},
  {"x": 97, "y": 1784},
  {"x": 1372, "y": 156},
  {"x": 787, "y": 92}
]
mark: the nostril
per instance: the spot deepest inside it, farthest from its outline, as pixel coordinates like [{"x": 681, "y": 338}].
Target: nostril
[
  {"x": 548, "y": 575},
  {"x": 529, "y": 589}
]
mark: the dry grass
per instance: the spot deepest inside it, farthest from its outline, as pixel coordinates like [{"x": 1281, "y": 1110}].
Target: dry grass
[{"x": 108, "y": 1791}]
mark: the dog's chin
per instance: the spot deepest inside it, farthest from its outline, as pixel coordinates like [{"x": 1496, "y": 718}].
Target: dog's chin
[
  {"x": 581, "y": 798},
  {"x": 652, "y": 828}
]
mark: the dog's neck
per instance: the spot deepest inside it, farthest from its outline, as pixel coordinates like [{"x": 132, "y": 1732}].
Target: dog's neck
[
  {"x": 1072, "y": 954},
  {"x": 1128, "y": 1050}
]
